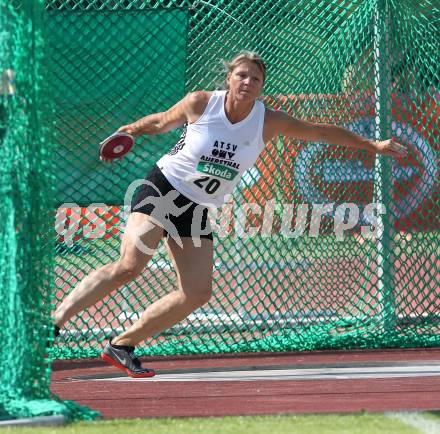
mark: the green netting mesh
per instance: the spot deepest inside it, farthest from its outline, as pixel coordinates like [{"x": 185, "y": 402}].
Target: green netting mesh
[
  {"x": 371, "y": 66},
  {"x": 117, "y": 71},
  {"x": 27, "y": 213}
]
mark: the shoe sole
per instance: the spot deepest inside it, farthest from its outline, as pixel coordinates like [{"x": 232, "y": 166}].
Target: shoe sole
[{"x": 108, "y": 359}]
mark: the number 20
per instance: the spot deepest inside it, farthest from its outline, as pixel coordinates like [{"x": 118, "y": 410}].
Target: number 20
[{"x": 211, "y": 187}]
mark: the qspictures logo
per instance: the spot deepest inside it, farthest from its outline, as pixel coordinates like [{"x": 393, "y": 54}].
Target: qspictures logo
[{"x": 217, "y": 170}]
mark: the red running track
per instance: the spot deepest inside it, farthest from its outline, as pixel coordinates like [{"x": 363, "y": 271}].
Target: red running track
[{"x": 130, "y": 399}]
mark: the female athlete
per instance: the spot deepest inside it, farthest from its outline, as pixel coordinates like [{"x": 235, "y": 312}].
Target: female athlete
[{"x": 223, "y": 134}]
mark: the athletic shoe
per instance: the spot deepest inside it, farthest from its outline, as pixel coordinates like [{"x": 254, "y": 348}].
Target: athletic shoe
[{"x": 123, "y": 358}]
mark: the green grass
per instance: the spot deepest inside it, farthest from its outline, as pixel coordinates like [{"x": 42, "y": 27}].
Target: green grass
[
  {"x": 364, "y": 423},
  {"x": 433, "y": 415}
]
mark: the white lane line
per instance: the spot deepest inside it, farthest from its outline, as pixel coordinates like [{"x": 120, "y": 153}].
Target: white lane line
[
  {"x": 293, "y": 374},
  {"x": 423, "y": 424}
]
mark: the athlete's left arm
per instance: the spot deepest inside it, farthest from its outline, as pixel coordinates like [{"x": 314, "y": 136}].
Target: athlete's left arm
[{"x": 280, "y": 123}]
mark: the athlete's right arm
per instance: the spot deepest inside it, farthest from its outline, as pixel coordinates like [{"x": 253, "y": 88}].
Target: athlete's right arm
[{"x": 187, "y": 110}]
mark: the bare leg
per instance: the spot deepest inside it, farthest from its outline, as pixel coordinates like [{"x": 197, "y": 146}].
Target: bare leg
[
  {"x": 110, "y": 277},
  {"x": 194, "y": 269}
]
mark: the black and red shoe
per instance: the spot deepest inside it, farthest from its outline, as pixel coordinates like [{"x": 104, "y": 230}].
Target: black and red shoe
[{"x": 122, "y": 357}]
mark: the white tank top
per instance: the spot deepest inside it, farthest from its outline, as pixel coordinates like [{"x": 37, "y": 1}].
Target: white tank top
[{"x": 212, "y": 153}]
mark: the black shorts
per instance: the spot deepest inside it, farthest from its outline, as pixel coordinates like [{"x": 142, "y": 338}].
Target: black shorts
[{"x": 160, "y": 200}]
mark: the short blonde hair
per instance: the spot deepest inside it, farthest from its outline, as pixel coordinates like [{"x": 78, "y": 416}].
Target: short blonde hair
[{"x": 244, "y": 56}]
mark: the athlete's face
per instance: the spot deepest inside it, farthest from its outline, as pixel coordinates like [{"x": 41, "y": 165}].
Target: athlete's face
[{"x": 245, "y": 81}]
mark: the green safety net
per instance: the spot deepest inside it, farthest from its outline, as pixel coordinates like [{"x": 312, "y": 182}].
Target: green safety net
[
  {"x": 294, "y": 267},
  {"x": 27, "y": 253}
]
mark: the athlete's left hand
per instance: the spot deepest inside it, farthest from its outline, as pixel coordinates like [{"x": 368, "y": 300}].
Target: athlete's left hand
[{"x": 391, "y": 148}]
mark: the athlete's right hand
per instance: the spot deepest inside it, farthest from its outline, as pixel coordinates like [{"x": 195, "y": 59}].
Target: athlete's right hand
[{"x": 130, "y": 129}]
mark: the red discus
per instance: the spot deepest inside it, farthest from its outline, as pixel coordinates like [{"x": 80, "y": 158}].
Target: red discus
[{"x": 116, "y": 146}]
